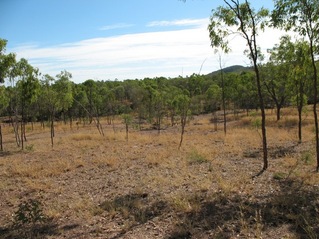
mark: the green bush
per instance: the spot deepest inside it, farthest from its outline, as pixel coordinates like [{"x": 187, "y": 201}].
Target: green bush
[{"x": 29, "y": 212}]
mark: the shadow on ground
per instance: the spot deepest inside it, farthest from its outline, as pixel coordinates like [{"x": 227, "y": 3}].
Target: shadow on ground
[
  {"x": 226, "y": 216},
  {"x": 35, "y": 231}
]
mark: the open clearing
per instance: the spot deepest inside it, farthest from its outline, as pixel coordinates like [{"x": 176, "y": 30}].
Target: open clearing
[{"x": 90, "y": 186}]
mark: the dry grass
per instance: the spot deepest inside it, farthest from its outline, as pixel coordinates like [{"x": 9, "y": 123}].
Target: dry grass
[{"x": 135, "y": 179}]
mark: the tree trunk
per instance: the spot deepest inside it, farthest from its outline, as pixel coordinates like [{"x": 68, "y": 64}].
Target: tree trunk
[
  {"x": 216, "y": 121},
  {"x": 126, "y": 130},
  {"x": 278, "y": 108},
  {"x": 1, "y": 145},
  {"x": 22, "y": 138},
  {"x": 299, "y": 124},
  {"x": 52, "y": 128},
  {"x": 315, "y": 85},
  {"x": 183, "y": 122},
  {"x": 263, "y": 120},
  {"x": 223, "y": 95}
]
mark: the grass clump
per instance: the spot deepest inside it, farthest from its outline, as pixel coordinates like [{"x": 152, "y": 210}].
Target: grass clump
[
  {"x": 307, "y": 157},
  {"x": 279, "y": 176},
  {"x": 194, "y": 157}
]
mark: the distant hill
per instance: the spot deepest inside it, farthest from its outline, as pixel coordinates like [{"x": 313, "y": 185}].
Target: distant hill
[{"x": 231, "y": 69}]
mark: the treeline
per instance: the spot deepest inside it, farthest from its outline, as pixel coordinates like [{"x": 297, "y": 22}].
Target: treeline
[{"x": 32, "y": 97}]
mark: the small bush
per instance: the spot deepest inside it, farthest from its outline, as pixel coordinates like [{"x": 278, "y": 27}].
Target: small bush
[
  {"x": 279, "y": 176},
  {"x": 195, "y": 157},
  {"x": 307, "y": 157},
  {"x": 29, "y": 212},
  {"x": 29, "y": 147}
]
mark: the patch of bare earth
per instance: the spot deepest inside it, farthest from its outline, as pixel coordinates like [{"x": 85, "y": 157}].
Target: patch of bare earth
[{"x": 90, "y": 186}]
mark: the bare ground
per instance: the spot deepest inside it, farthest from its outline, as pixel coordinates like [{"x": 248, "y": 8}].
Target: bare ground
[{"x": 89, "y": 186}]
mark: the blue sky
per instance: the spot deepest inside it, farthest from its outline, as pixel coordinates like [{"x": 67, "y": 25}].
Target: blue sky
[{"x": 117, "y": 39}]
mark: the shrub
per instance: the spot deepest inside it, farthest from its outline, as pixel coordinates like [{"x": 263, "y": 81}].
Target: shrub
[
  {"x": 195, "y": 157},
  {"x": 29, "y": 212}
]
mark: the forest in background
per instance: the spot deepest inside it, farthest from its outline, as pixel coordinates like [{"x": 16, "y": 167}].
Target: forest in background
[
  {"x": 32, "y": 97},
  {"x": 288, "y": 77}
]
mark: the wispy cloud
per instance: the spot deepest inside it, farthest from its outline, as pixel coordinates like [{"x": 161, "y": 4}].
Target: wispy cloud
[
  {"x": 165, "y": 53},
  {"x": 182, "y": 22},
  {"x": 115, "y": 26}
]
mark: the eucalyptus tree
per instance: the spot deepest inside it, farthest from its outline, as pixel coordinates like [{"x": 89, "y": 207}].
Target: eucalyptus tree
[
  {"x": 300, "y": 79},
  {"x": 276, "y": 73},
  {"x": 6, "y": 61},
  {"x": 214, "y": 97},
  {"x": 196, "y": 92},
  {"x": 49, "y": 101},
  {"x": 95, "y": 103},
  {"x": 63, "y": 86},
  {"x": 248, "y": 23},
  {"x": 28, "y": 90},
  {"x": 245, "y": 91},
  {"x": 56, "y": 97},
  {"x": 150, "y": 87},
  {"x": 170, "y": 102},
  {"x": 158, "y": 107},
  {"x": 90, "y": 88},
  {"x": 4, "y": 102},
  {"x": 80, "y": 102},
  {"x": 136, "y": 94},
  {"x": 302, "y": 16},
  {"x": 182, "y": 102}
]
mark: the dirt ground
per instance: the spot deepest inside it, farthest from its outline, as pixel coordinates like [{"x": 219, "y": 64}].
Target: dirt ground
[{"x": 90, "y": 186}]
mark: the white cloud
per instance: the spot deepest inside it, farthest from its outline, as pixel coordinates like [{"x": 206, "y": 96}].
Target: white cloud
[
  {"x": 182, "y": 22},
  {"x": 166, "y": 53},
  {"x": 115, "y": 26}
]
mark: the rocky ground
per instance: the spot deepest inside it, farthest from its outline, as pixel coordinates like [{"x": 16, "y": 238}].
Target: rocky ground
[{"x": 90, "y": 186}]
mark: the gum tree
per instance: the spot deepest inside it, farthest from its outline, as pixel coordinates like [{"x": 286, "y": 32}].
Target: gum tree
[
  {"x": 247, "y": 23},
  {"x": 28, "y": 89},
  {"x": 302, "y": 16},
  {"x": 276, "y": 73}
]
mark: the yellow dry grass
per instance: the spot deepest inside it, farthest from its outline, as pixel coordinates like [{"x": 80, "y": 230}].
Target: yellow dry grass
[{"x": 208, "y": 162}]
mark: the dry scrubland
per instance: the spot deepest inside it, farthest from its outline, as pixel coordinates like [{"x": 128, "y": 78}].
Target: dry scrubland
[{"x": 89, "y": 186}]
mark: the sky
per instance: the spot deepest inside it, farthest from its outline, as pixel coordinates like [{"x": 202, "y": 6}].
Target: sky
[{"x": 119, "y": 39}]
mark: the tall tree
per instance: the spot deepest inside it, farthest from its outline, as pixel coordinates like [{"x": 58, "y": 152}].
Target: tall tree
[
  {"x": 248, "y": 23},
  {"x": 6, "y": 61},
  {"x": 63, "y": 87},
  {"x": 182, "y": 102},
  {"x": 276, "y": 73},
  {"x": 214, "y": 97},
  {"x": 28, "y": 88},
  {"x": 300, "y": 79},
  {"x": 302, "y": 16},
  {"x": 4, "y": 102}
]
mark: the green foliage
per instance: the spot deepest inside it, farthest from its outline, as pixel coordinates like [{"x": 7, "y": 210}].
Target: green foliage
[
  {"x": 29, "y": 212},
  {"x": 63, "y": 89},
  {"x": 4, "y": 100},
  {"x": 280, "y": 175},
  {"x": 127, "y": 119},
  {"x": 29, "y": 147},
  {"x": 6, "y": 61},
  {"x": 240, "y": 16},
  {"x": 307, "y": 157},
  {"x": 194, "y": 157},
  {"x": 256, "y": 123}
]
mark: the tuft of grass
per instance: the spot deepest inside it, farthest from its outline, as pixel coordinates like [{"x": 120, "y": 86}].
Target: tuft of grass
[
  {"x": 29, "y": 147},
  {"x": 194, "y": 157},
  {"x": 279, "y": 176},
  {"x": 307, "y": 157}
]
